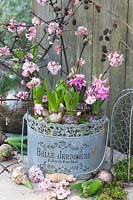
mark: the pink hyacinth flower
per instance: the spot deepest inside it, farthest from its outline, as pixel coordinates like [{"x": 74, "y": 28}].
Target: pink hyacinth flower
[
  {"x": 45, "y": 185},
  {"x": 98, "y": 90},
  {"x": 31, "y": 35},
  {"x": 35, "y": 174},
  {"x": 115, "y": 59},
  {"x": 4, "y": 51},
  {"x": 22, "y": 95},
  {"x": 81, "y": 31},
  {"x": 38, "y": 109},
  {"x": 53, "y": 67},
  {"x": 90, "y": 99},
  {"x": 61, "y": 193},
  {"x": 78, "y": 81}
]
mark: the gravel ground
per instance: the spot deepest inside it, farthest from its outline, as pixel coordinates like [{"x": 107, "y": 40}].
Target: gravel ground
[{"x": 9, "y": 190}]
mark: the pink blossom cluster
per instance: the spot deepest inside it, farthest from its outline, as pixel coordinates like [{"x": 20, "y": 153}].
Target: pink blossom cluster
[
  {"x": 31, "y": 35},
  {"x": 61, "y": 191},
  {"x": 33, "y": 83},
  {"x": 4, "y": 51},
  {"x": 42, "y": 2},
  {"x": 115, "y": 59},
  {"x": 78, "y": 81},
  {"x": 75, "y": 2},
  {"x": 81, "y": 31},
  {"x": 45, "y": 184},
  {"x": 98, "y": 90},
  {"x": 38, "y": 109},
  {"x": 81, "y": 62},
  {"x": 53, "y": 27},
  {"x": 35, "y": 174},
  {"x": 58, "y": 49},
  {"x": 13, "y": 27},
  {"x": 53, "y": 67},
  {"x": 29, "y": 68},
  {"x": 36, "y": 21},
  {"x": 23, "y": 95},
  {"x": 21, "y": 28}
]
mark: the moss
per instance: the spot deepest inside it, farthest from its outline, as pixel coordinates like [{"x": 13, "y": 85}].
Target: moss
[
  {"x": 121, "y": 170},
  {"x": 113, "y": 191}
]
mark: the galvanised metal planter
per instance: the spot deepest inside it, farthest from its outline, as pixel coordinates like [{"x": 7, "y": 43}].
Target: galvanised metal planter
[{"x": 66, "y": 148}]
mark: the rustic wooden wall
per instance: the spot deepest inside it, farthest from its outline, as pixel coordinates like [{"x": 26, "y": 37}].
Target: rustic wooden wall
[{"x": 121, "y": 10}]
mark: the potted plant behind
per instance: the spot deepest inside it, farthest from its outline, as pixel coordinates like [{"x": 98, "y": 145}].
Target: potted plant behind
[{"x": 66, "y": 126}]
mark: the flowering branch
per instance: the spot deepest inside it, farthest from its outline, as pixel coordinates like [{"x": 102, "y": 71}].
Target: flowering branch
[{"x": 71, "y": 95}]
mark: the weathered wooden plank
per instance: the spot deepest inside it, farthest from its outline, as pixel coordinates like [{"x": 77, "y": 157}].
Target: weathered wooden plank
[
  {"x": 121, "y": 77},
  {"x": 117, "y": 75},
  {"x": 129, "y": 59},
  {"x": 83, "y": 18},
  {"x": 101, "y": 21}
]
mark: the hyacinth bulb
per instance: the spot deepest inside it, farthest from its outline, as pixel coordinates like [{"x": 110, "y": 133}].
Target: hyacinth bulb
[
  {"x": 19, "y": 176},
  {"x": 6, "y": 152},
  {"x": 105, "y": 175}
]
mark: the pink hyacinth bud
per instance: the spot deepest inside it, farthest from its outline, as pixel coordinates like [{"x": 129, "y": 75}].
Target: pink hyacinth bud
[
  {"x": 44, "y": 99},
  {"x": 35, "y": 174}
]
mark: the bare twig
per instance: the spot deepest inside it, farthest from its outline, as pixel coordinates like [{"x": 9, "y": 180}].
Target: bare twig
[{"x": 113, "y": 14}]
